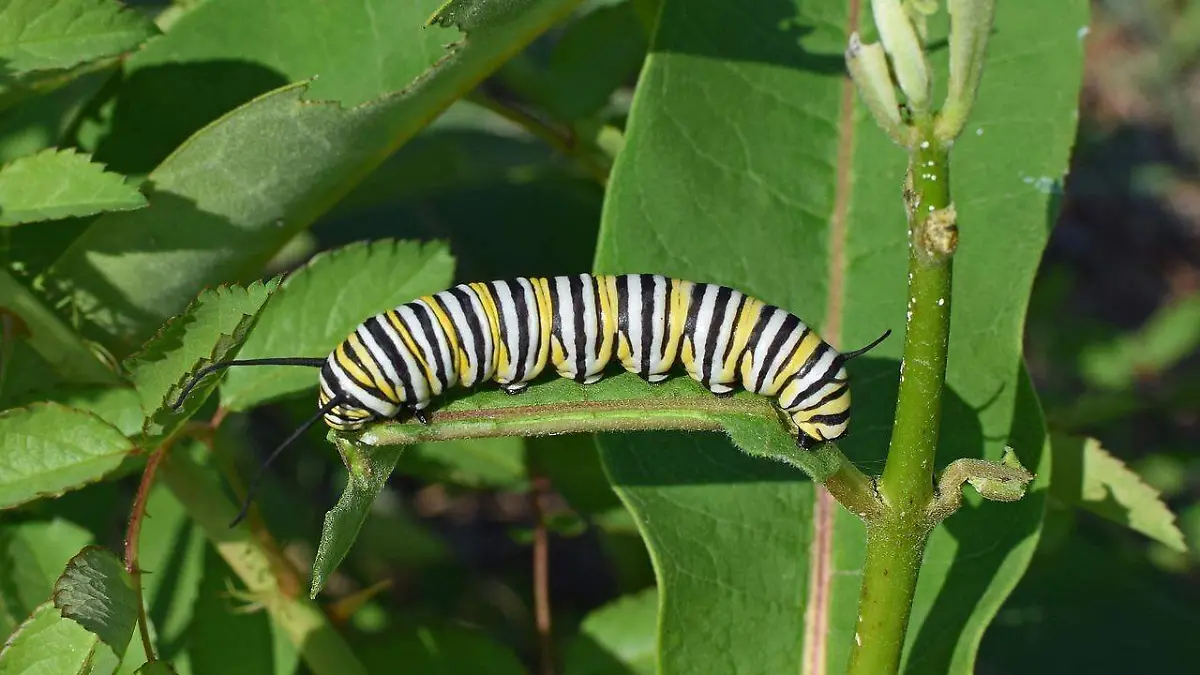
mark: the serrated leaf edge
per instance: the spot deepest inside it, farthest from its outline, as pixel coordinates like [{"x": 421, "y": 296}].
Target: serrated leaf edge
[
  {"x": 64, "y": 608},
  {"x": 133, "y": 447}
]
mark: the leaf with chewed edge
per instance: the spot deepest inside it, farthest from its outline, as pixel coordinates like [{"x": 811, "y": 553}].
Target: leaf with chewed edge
[
  {"x": 318, "y": 305},
  {"x": 207, "y": 226},
  {"x": 1088, "y": 477},
  {"x": 96, "y": 592},
  {"x": 47, "y": 449},
  {"x": 61, "y": 183}
]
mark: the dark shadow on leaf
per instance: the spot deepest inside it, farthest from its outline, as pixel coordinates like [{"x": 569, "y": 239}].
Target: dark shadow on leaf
[
  {"x": 586, "y": 656},
  {"x": 159, "y": 107},
  {"x": 774, "y": 35},
  {"x": 171, "y": 224}
]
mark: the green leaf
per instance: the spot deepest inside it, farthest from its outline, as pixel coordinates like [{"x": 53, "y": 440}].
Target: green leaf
[
  {"x": 96, "y": 592},
  {"x": 47, "y": 449},
  {"x": 367, "y": 474},
  {"x": 55, "y": 341},
  {"x": 55, "y": 184},
  {"x": 1087, "y": 476},
  {"x": 32, "y": 555},
  {"x": 320, "y": 304},
  {"x": 212, "y": 329},
  {"x": 48, "y": 643},
  {"x": 119, "y": 406},
  {"x": 225, "y": 224},
  {"x": 738, "y": 119},
  {"x": 57, "y": 34},
  {"x": 617, "y": 639}
]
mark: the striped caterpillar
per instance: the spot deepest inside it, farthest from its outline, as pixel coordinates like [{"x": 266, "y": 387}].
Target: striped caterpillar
[{"x": 509, "y": 331}]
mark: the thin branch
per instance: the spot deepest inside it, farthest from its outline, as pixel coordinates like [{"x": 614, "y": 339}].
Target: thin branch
[
  {"x": 824, "y": 464},
  {"x": 132, "y": 538},
  {"x": 541, "y": 574},
  {"x": 563, "y": 139}
]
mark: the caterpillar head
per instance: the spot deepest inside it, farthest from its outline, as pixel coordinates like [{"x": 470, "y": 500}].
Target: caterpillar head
[{"x": 821, "y": 402}]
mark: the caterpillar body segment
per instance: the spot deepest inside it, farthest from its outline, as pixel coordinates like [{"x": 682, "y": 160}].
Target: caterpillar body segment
[{"x": 510, "y": 331}]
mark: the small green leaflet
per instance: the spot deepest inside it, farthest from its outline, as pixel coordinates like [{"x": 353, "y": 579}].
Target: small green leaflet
[
  {"x": 56, "y": 34},
  {"x": 56, "y": 184},
  {"x": 97, "y": 593}
]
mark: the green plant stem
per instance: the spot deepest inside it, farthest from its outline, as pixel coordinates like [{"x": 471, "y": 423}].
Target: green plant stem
[
  {"x": 825, "y": 464},
  {"x": 896, "y": 538},
  {"x": 319, "y": 644}
]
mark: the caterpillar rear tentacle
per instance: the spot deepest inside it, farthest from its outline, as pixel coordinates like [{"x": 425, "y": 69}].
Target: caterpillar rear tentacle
[{"x": 509, "y": 332}]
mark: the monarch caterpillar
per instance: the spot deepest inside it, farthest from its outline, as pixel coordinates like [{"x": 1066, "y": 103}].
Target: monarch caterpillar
[{"x": 509, "y": 331}]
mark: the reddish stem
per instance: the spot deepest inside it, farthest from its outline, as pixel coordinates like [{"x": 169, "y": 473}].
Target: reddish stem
[
  {"x": 541, "y": 574},
  {"x": 132, "y": 537}
]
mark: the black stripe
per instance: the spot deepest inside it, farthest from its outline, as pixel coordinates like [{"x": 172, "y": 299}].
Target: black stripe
[
  {"x": 646, "y": 286},
  {"x": 812, "y": 360},
  {"x": 463, "y": 295},
  {"x": 375, "y": 327},
  {"x": 623, "y": 310},
  {"x": 521, "y": 308},
  {"x": 790, "y": 322},
  {"x": 720, "y": 309},
  {"x": 331, "y": 382},
  {"x": 689, "y": 324},
  {"x": 451, "y": 339},
  {"x": 764, "y": 317},
  {"x": 666, "y": 325},
  {"x": 737, "y": 315},
  {"x": 494, "y": 286},
  {"x": 426, "y": 318},
  {"x": 580, "y": 337},
  {"x": 838, "y": 392},
  {"x": 832, "y": 420}
]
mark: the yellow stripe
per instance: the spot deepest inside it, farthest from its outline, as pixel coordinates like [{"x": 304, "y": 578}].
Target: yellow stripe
[
  {"x": 541, "y": 287},
  {"x": 368, "y": 361},
  {"x": 679, "y": 296},
  {"x": 461, "y": 363},
  {"x": 493, "y": 316},
  {"x": 745, "y": 322},
  {"x": 351, "y": 368},
  {"x": 606, "y": 321},
  {"x": 394, "y": 319}
]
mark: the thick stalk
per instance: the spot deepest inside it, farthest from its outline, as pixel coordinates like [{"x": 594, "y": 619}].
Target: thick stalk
[{"x": 896, "y": 538}]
